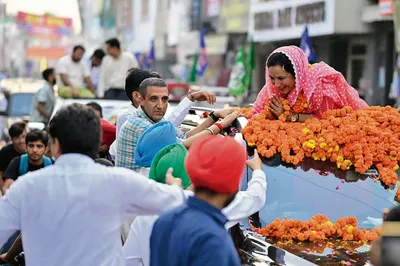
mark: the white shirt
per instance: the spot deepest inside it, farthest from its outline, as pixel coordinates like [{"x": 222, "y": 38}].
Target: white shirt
[
  {"x": 71, "y": 213},
  {"x": 176, "y": 117},
  {"x": 137, "y": 246},
  {"x": 76, "y": 71},
  {"x": 114, "y": 70}
]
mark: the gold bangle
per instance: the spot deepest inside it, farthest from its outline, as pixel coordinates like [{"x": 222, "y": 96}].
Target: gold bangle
[{"x": 211, "y": 131}]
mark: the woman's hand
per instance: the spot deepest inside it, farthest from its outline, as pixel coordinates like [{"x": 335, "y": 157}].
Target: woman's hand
[{"x": 276, "y": 106}]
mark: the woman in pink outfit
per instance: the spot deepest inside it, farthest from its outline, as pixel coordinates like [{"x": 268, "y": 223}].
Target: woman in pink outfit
[{"x": 288, "y": 73}]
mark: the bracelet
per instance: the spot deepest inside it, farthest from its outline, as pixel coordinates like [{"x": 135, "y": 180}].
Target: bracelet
[
  {"x": 213, "y": 116},
  {"x": 221, "y": 128},
  {"x": 210, "y": 130}
]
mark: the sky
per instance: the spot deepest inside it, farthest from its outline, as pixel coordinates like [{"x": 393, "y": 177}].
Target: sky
[{"x": 61, "y": 8}]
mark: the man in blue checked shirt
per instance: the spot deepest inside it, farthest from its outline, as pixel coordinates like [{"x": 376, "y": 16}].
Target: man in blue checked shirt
[{"x": 155, "y": 94}]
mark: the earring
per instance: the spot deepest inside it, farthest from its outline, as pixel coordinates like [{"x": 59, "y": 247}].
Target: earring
[{"x": 283, "y": 67}]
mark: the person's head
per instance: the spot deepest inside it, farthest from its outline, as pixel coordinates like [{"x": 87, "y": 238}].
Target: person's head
[
  {"x": 113, "y": 47},
  {"x": 77, "y": 53},
  {"x": 97, "y": 57},
  {"x": 135, "y": 77},
  {"x": 96, "y": 108},
  {"x": 152, "y": 140},
  {"x": 171, "y": 156},
  {"x": 17, "y": 133},
  {"x": 215, "y": 165},
  {"x": 75, "y": 128},
  {"x": 49, "y": 75},
  {"x": 36, "y": 142},
  {"x": 281, "y": 72},
  {"x": 155, "y": 95}
]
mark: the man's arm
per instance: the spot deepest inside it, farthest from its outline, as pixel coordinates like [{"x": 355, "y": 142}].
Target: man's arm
[
  {"x": 178, "y": 114},
  {"x": 209, "y": 121},
  {"x": 89, "y": 83},
  {"x": 10, "y": 175},
  {"x": 102, "y": 78},
  {"x": 10, "y": 212},
  {"x": 7, "y": 183},
  {"x": 14, "y": 251},
  {"x": 247, "y": 202},
  {"x": 138, "y": 195},
  {"x": 66, "y": 82}
]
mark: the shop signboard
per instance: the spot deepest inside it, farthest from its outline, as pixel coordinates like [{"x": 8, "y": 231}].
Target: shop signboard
[
  {"x": 44, "y": 25},
  {"x": 280, "y": 20}
]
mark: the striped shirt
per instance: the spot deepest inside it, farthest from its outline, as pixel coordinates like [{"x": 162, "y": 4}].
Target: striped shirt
[{"x": 129, "y": 135}]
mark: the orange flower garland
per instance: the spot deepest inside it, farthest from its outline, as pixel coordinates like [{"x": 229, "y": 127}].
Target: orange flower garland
[
  {"x": 318, "y": 228},
  {"x": 360, "y": 138}
]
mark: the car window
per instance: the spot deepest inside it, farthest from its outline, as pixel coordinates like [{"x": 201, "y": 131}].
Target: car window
[
  {"x": 20, "y": 104},
  {"x": 316, "y": 187}
]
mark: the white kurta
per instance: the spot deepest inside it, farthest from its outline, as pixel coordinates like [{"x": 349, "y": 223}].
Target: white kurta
[
  {"x": 71, "y": 213},
  {"x": 137, "y": 246}
]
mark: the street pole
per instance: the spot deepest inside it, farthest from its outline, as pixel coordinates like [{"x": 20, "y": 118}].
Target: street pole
[{"x": 3, "y": 35}]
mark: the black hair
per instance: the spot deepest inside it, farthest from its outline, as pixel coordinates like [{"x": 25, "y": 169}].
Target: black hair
[
  {"x": 17, "y": 129},
  {"x": 280, "y": 59},
  {"x": 37, "y": 135},
  {"x": 207, "y": 191},
  {"x": 151, "y": 82},
  {"x": 47, "y": 73},
  {"x": 135, "y": 77},
  {"x": 77, "y": 128},
  {"x": 393, "y": 215},
  {"x": 114, "y": 43},
  {"x": 99, "y": 53},
  {"x": 96, "y": 107},
  {"x": 78, "y": 47}
]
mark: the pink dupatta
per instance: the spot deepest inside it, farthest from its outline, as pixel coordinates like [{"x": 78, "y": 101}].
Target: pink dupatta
[{"x": 324, "y": 87}]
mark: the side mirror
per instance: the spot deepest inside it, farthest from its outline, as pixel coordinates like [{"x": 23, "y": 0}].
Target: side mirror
[{"x": 3, "y": 113}]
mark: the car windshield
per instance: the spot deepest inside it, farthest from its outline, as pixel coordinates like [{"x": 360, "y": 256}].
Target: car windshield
[
  {"x": 316, "y": 187},
  {"x": 20, "y": 104}
]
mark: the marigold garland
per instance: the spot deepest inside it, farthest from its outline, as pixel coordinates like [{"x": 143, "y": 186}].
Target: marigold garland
[
  {"x": 347, "y": 137},
  {"x": 319, "y": 227}
]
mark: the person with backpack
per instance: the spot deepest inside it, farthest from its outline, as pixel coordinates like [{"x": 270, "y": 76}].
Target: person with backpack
[{"x": 36, "y": 143}]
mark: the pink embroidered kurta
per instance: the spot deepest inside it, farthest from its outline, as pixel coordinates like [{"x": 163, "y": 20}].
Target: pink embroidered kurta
[{"x": 324, "y": 87}]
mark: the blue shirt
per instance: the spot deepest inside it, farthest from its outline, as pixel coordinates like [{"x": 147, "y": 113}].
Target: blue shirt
[{"x": 192, "y": 235}]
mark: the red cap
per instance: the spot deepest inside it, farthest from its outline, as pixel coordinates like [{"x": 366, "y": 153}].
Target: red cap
[
  {"x": 216, "y": 163},
  {"x": 108, "y": 132}
]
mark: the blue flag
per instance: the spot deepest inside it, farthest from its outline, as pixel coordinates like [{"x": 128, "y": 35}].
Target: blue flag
[
  {"x": 202, "y": 63},
  {"x": 150, "y": 57},
  {"x": 307, "y": 47}
]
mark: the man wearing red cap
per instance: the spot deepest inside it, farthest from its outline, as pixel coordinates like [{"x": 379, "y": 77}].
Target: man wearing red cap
[{"x": 194, "y": 234}]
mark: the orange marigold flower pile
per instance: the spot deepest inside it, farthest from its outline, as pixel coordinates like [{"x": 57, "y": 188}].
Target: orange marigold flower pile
[
  {"x": 346, "y": 137},
  {"x": 318, "y": 228}
]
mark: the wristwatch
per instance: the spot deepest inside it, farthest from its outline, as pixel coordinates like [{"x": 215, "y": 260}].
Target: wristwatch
[
  {"x": 294, "y": 117},
  {"x": 213, "y": 116}
]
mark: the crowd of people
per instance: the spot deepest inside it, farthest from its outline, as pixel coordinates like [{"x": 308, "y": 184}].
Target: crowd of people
[
  {"x": 108, "y": 212},
  {"x": 87, "y": 192}
]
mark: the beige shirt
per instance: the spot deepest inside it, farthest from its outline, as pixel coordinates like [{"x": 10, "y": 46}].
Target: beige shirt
[{"x": 114, "y": 70}]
